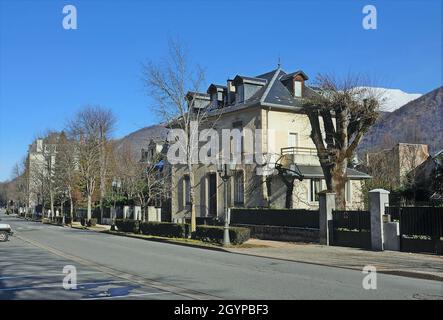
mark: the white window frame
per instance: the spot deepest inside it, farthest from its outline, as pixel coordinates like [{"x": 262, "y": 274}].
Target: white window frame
[
  {"x": 298, "y": 89},
  {"x": 311, "y": 194}
]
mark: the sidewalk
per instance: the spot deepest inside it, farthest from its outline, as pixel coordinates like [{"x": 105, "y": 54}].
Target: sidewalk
[
  {"x": 97, "y": 227},
  {"x": 392, "y": 262}
]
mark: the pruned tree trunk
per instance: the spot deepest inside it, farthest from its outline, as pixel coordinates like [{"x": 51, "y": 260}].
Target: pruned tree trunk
[
  {"x": 51, "y": 200},
  {"x": 102, "y": 171},
  {"x": 192, "y": 198},
  {"x": 338, "y": 184},
  {"x": 89, "y": 214},
  {"x": 71, "y": 209}
]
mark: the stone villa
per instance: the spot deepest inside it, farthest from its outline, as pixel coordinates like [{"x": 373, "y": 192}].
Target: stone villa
[{"x": 272, "y": 102}]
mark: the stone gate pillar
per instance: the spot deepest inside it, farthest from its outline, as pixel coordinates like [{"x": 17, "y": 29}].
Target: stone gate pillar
[
  {"x": 326, "y": 205},
  {"x": 378, "y": 200}
]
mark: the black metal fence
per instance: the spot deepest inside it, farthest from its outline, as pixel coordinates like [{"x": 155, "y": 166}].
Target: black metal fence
[
  {"x": 420, "y": 228},
  {"x": 424, "y": 221},
  {"x": 351, "y": 220},
  {"x": 394, "y": 212},
  {"x": 351, "y": 229},
  {"x": 419, "y": 221},
  {"x": 276, "y": 217}
]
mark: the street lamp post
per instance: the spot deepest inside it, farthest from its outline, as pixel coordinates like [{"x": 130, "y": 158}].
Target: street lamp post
[
  {"x": 225, "y": 173},
  {"x": 116, "y": 184}
]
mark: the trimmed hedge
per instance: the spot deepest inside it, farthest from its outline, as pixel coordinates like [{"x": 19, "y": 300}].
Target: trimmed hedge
[
  {"x": 237, "y": 235},
  {"x": 127, "y": 225},
  {"x": 164, "y": 229}
]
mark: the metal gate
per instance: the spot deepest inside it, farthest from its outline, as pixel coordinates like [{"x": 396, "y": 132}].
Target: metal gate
[
  {"x": 351, "y": 229},
  {"x": 420, "y": 228}
]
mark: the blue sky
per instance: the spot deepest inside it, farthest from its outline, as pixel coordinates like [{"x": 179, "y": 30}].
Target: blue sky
[{"x": 48, "y": 73}]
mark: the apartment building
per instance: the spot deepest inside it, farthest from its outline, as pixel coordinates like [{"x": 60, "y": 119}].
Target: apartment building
[{"x": 40, "y": 163}]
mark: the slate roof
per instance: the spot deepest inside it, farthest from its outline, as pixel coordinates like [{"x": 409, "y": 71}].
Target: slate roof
[
  {"x": 255, "y": 80},
  {"x": 293, "y": 74},
  {"x": 273, "y": 93}
]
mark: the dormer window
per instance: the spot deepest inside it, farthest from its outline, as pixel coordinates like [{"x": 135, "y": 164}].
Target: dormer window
[
  {"x": 197, "y": 100},
  {"x": 217, "y": 95},
  {"x": 246, "y": 87},
  {"x": 295, "y": 83},
  {"x": 240, "y": 94}
]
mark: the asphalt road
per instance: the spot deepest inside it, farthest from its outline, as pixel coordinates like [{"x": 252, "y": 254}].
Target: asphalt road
[{"x": 112, "y": 267}]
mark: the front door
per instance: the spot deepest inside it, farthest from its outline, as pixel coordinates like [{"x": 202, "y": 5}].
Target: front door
[{"x": 212, "y": 194}]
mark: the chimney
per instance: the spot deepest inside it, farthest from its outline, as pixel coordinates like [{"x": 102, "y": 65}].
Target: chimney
[{"x": 39, "y": 147}]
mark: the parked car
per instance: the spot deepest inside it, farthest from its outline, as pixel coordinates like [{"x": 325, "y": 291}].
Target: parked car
[{"x": 5, "y": 232}]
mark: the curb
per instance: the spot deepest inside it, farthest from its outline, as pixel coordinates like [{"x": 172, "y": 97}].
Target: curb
[
  {"x": 193, "y": 245},
  {"x": 400, "y": 273}
]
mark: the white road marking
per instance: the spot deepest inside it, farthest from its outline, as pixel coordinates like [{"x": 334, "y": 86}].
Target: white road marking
[
  {"x": 58, "y": 285},
  {"x": 129, "y": 295},
  {"x": 46, "y": 275}
]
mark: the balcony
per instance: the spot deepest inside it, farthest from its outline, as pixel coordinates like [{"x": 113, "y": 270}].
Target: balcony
[{"x": 301, "y": 155}]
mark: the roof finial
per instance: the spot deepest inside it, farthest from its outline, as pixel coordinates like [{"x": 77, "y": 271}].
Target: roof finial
[{"x": 279, "y": 62}]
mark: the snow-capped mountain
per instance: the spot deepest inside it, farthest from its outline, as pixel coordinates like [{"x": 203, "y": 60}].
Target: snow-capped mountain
[
  {"x": 418, "y": 121},
  {"x": 394, "y": 98}
]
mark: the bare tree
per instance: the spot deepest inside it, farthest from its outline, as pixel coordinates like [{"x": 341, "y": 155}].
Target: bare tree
[
  {"x": 20, "y": 190},
  {"x": 142, "y": 182},
  {"x": 169, "y": 83},
  {"x": 347, "y": 110},
  {"x": 3, "y": 193},
  {"x": 90, "y": 130},
  {"x": 36, "y": 180},
  {"x": 49, "y": 158}
]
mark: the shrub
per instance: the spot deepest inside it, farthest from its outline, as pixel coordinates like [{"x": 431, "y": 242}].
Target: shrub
[
  {"x": 68, "y": 220},
  {"x": 164, "y": 229},
  {"x": 237, "y": 235},
  {"x": 127, "y": 225},
  {"x": 92, "y": 222},
  {"x": 58, "y": 220}
]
